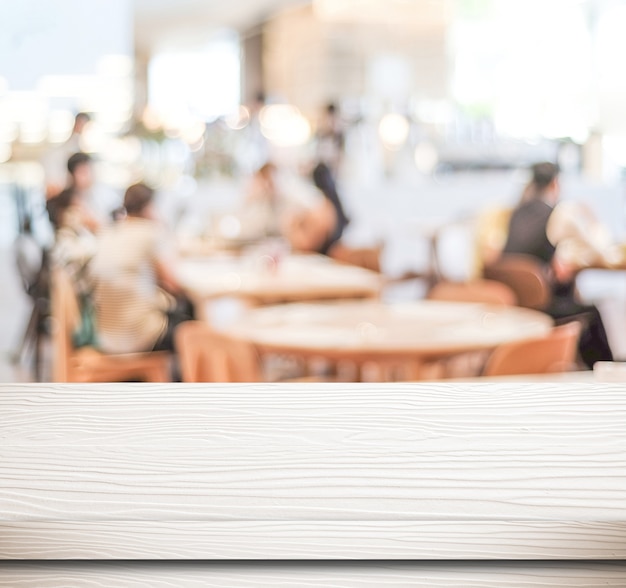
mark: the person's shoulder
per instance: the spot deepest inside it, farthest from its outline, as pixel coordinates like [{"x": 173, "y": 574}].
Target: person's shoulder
[
  {"x": 569, "y": 205},
  {"x": 568, "y": 209},
  {"x": 533, "y": 209},
  {"x": 140, "y": 228}
]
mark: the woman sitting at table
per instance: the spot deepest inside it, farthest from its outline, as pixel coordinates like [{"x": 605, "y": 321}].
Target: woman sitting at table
[
  {"x": 274, "y": 197},
  {"x": 561, "y": 237},
  {"x": 319, "y": 227},
  {"x": 137, "y": 297},
  {"x": 264, "y": 205}
]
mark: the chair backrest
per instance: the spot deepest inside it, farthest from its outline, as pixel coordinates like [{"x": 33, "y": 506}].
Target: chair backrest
[
  {"x": 551, "y": 354},
  {"x": 66, "y": 315},
  {"x": 207, "y": 356},
  {"x": 486, "y": 291},
  {"x": 87, "y": 363},
  {"x": 525, "y": 276}
]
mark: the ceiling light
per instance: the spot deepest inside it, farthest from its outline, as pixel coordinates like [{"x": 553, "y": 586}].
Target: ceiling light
[{"x": 393, "y": 130}]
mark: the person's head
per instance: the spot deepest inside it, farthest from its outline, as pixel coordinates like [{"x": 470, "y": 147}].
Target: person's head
[
  {"x": 544, "y": 182},
  {"x": 79, "y": 168},
  {"x": 264, "y": 185},
  {"x": 138, "y": 201},
  {"x": 266, "y": 171},
  {"x": 57, "y": 205},
  {"x": 80, "y": 120},
  {"x": 329, "y": 117},
  {"x": 258, "y": 102}
]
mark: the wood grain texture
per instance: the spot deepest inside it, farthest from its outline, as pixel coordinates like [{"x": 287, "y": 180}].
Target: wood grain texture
[
  {"x": 319, "y": 540},
  {"x": 285, "y": 575},
  {"x": 393, "y": 471}
]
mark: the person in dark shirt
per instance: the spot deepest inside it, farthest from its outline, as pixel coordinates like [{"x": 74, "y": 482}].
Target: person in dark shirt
[{"x": 529, "y": 234}]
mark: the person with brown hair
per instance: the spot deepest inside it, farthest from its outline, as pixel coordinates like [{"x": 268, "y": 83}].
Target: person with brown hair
[
  {"x": 69, "y": 207},
  {"x": 137, "y": 297},
  {"x": 264, "y": 204},
  {"x": 539, "y": 227}
]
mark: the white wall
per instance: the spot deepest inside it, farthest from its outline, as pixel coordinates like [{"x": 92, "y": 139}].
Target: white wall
[{"x": 60, "y": 37}]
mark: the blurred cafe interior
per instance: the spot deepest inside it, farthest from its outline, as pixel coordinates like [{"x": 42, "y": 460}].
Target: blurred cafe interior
[{"x": 321, "y": 190}]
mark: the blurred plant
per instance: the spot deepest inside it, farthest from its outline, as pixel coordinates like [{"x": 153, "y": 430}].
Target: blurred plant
[
  {"x": 139, "y": 129},
  {"x": 216, "y": 156}
]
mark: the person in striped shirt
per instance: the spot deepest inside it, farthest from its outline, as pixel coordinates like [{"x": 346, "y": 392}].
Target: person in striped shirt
[{"x": 138, "y": 300}]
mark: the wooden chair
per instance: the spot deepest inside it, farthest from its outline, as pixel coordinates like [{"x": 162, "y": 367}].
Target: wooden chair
[
  {"x": 486, "y": 291},
  {"x": 87, "y": 364},
  {"x": 207, "y": 356},
  {"x": 525, "y": 276},
  {"x": 551, "y": 354},
  {"x": 480, "y": 291}
]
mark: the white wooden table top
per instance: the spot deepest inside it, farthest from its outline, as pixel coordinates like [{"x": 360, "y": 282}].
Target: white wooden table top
[
  {"x": 296, "y": 277},
  {"x": 386, "y": 471},
  {"x": 322, "y": 575},
  {"x": 423, "y": 328}
]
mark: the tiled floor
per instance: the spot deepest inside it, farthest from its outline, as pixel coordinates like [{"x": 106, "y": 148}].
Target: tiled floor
[{"x": 391, "y": 211}]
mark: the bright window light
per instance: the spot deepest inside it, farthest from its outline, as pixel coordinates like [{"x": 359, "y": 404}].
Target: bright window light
[
  {"x": 201, "y": 85},
  {"x": 529, "y": 64},
  {"x": 284, "y": 125}
]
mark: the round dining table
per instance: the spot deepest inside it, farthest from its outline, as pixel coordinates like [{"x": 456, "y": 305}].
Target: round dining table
[
  {"x": 260, "y": 278},
  {"x": 411, "y": 333}
]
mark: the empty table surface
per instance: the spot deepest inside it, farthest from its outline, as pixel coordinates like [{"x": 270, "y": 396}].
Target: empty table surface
[
  {"x": 385, "y": 471},
  {"x": 297, "y": 575},
  {"x": 259, "y": 279},
  {"x": 371, "y": 329},
  {"x": 584, "y": 377}
]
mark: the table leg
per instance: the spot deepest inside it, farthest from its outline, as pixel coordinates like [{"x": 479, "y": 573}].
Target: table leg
[{"x": 414, "y": 369}]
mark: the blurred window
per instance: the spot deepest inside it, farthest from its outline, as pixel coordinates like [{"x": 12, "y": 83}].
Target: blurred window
[{"x": 202, "y": 84}]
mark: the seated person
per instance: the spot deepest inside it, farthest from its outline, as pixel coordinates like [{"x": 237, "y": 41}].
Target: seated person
[
  {"x": 80, "y": 181},
  {"x": 264, "y": 204},
  {"x": 310, "y": 229},
  {"x": 319, "y": 227},
  {"x": 541, "y": 228},
  {"x": 137, "y": 297},
  {"x": 271, "y": 196},
  {"x": 73, "y": 222}
]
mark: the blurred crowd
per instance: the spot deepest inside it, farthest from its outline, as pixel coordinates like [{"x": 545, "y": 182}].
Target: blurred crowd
[{"x": 121, "y": 257}]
